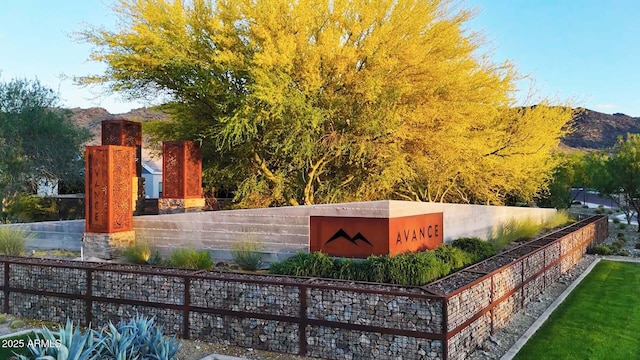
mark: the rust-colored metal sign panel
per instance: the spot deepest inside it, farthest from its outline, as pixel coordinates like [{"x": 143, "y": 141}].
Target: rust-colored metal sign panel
[
  {"x": 181, "y": 170},
  {"x": 361, "y": 237},
  {"x": 124, "y": 133},
  {"x": 108, "y": 192},
  {"x": 415, "y": 233},
  {"x": 349, "y": 236}
]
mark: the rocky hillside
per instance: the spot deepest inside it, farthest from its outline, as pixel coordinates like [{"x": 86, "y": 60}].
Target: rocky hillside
[
  {"x": 595, "y": 130},
  {"x": 91, "y": 118},
  {"x": 591, "y": 129}
]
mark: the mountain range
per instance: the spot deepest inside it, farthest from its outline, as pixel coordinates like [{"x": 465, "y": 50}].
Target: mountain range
[{"x": 590, "y": 130}]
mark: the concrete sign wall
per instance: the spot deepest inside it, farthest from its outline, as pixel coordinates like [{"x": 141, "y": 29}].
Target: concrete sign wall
[{"x": 285, "y": 230}]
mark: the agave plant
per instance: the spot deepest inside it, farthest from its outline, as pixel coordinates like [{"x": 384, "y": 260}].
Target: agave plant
[
  {"x": 70, "y": 344},
  {"x": 136, "y": 339},
  {"x": 161, "y": 348},
  {"x": 118, "y": 343}
]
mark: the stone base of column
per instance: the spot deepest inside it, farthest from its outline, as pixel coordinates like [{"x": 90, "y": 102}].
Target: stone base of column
[
  {"x": 177, "y": 206},
  {"x": 137, "y": 186},
  {"x": 107, "y": 245}
]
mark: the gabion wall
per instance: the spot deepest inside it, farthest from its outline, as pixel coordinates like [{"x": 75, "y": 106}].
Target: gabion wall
[
  {"x": 511, "y": 280},
  {"x": 323, "y": 318}
]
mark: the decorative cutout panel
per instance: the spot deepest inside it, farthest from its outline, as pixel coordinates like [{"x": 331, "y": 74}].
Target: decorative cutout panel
[
  {"x": 124, "y": 133},
  {"x": 181, "y": 170},
  {"x": 108, "y": 189}
]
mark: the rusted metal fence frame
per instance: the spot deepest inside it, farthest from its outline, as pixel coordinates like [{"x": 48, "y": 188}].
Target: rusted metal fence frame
[
  {"x": 600, "y": 227},
  {"x": 303, "y": 285},
  {"x": 302, "y": 320}
]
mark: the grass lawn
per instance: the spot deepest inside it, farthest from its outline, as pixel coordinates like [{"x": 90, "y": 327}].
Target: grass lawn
[
  {"x": 600, "y": 319},
  {"x": 12, "y": 344}
]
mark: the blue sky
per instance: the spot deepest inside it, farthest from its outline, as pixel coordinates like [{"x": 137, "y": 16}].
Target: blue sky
[{"x": 586, "y": 52}]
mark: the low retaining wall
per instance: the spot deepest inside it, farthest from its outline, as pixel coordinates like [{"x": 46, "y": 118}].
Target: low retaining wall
[
  {"x": 484, "y": 296},
  {"x": 285, "y": 230},
  {"x": 318, "y": 317},
  {"x": 53, "y": 235},
  {"x": 282, "y": 231}
]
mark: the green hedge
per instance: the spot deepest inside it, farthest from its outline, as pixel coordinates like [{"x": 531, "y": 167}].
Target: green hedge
[
  {"x": 477, "y": 247},
  {"x": 405, "y": 269}
]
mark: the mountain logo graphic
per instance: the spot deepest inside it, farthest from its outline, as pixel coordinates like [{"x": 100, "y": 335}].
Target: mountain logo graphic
[{"x": 343, "y": 234}]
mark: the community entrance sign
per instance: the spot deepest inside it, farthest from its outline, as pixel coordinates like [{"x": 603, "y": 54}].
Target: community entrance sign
[{"x": 361, "y": 237}]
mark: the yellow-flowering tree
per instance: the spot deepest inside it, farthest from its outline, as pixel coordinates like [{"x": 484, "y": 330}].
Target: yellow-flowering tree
[{"x": 314, "y": 101}]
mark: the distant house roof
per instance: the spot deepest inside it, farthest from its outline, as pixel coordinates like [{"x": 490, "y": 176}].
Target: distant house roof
[
  {"x": 151, "y": 168},
  {"x": 151, "y": 162}
]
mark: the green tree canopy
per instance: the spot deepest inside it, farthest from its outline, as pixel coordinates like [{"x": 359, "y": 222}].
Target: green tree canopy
[
  {"x": 616, "y": 174},
  {"x": 38, "y": 139},
  {"x": 317, "y": 101},
  {"x": 570, "y": 173}
]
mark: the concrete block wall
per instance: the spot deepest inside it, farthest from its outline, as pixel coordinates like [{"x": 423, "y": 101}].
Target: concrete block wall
[
  {"x": 465, "y": 220},
  {"x": 53, "y": 235},
  {"x": 284, "y": 231},
  {"x": 281, "y": 231}
]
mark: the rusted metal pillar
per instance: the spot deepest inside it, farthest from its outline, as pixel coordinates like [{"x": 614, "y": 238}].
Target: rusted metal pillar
[
  {"x": 128, "y": 133},
  {"x": 181, "y": 177},
  {"x": 108, "y": 200}
]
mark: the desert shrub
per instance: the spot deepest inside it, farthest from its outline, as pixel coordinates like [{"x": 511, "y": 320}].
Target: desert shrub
[
  {"x": 616, "y": 220},
  {"x": 601, "y": 250},
  {"x": 379, "y": 268},
  {"x": 13, "y": 240},
  {"x": 30, "y": 208},
  {"x": 560, "y": 219},
  {"x": 248, "y": 255},
  {"x": 622, "y": 226},
  {"x": 620, "y": 235},
  {"x": 191, "y": 259},
  {"x": 622, "y": 252},
  {"x": 351, "y": 269},
  {"x": 452, "y": 258},
  {"x": 618, "y": 244},
  {"x": 514, "y": 230},
  {"x": 415, "y": 268},
  {"x": 638, "y": 245},
  {"x": 479, "y": 249},
  {"x": 403, "y": 269},
  {"x": 314, "y": 264},
  {"x": 142, "y": 253}
]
